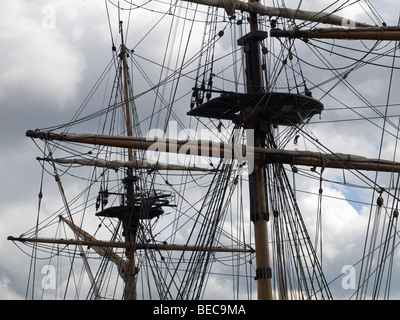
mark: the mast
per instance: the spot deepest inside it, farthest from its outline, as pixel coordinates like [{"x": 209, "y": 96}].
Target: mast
[
  {"x": 126, "y": 93},
  {"x": 257, "y": 179},
  {"x": 130, "y": 277}
]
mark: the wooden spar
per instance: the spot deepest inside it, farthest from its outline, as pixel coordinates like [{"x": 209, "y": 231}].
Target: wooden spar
[
  {"x": 336, "y": 160},
  {"x": 254, "y": 7},
  {"x": 135, "y": 164},
  {"x": 102, "y": 250},
  {"x": 226, "y": 150},
  {"x": 82, "y": 253},
  {"x": 370, "y": 33},
  {"x": 127, "y": 245}
]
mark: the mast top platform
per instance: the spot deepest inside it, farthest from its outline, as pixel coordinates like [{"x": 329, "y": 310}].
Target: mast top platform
[{"x": 277, "y": 108}]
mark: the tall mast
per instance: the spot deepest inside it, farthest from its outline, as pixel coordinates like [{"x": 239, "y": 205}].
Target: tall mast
[
  {"x": 130, "y": 278},
  {"x": 257, "y": 179},
  {"x": 126, "y": 91}
]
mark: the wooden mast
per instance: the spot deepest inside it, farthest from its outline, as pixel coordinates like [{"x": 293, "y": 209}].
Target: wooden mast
[
  {"x": 257, "y": 179},
  {"x": 130, "y": 277}
]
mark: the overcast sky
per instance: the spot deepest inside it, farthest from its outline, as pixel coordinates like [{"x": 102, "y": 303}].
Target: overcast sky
[{"x": 53, "y": 51}]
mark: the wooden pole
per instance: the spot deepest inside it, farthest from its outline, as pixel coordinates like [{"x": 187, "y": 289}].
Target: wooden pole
[
  {"x": 259, "y": 216},
  {"x": 106, "y": 245},
  {"x": 254, "y": 7},
  {"x": 260, "y": 155},
  {"x": 257, "y": 181},
  {"x": 126, "y": 93},
  {"x": 371, "y": 33},
  {"x": 130, "y": 278}
]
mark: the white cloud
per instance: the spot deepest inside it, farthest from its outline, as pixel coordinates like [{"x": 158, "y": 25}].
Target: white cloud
[
  {"x": 38, "y": 58},
  {"x": 6, "y": 290},
  {"x": 341, "y": 223}
]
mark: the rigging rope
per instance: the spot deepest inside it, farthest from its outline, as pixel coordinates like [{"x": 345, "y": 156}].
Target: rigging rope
[{"x": 367, "y": 272}]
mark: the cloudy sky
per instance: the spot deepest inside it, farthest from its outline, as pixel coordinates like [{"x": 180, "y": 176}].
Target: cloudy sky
[{"x": 53, "y": 52}]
